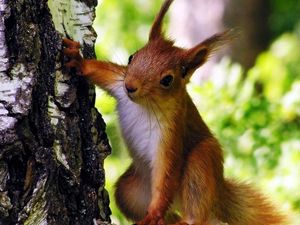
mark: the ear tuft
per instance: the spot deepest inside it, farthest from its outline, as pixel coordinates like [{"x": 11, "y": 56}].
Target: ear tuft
[
  {"x": 218, "y": 40},
  {"x": 197, "y": 56},
  {"x": 155, "y": 32}
]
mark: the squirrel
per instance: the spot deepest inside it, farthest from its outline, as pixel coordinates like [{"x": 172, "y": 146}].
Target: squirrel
[{"x": 176, "y": 175}]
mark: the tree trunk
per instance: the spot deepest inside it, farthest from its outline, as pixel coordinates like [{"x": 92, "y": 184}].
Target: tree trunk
[
  {"x": 251, "y": 17},
  {"x": 52, "y": 139}
]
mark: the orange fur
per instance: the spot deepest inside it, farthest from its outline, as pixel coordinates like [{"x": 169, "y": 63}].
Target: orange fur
[
  {"x": 179, "y": 168},
  {"x": 133, "y": 193}
]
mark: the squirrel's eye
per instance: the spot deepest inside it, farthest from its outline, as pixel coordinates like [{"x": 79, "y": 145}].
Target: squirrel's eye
[
  {"x": 130, "y": 59},
  {"x": 166, "y": 81}
]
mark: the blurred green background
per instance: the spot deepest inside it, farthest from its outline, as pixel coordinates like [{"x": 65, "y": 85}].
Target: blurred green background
[{"x": 254, "y": 110}]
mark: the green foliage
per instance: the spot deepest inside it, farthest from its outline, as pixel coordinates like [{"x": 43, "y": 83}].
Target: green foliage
[
  {"x": 284, "y": 16},
  {"x": 126, "y": 25}
]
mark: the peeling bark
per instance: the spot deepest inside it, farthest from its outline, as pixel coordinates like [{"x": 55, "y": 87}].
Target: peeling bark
[{"x": 52, "y": 139}]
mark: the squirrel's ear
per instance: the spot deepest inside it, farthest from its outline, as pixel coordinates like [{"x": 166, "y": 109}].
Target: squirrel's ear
[
  {"x": 195, "y": 57},
  {"x": 156, "y": 32}
]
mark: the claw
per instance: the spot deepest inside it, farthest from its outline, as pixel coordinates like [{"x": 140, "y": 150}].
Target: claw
[
  {"x": 72, "y": 64},
  {"x": 71, "y": 44},
  {"x": 71, "y": 50},
  {"x": 152, "y": 219},
  {"x": 161, "y": 222},
  {"x": 72, "y": 53},
  {"x": 180, "y": 223}
]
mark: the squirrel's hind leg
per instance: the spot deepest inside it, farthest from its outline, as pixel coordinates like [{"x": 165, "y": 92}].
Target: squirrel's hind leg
[{"x": 133, "y": 194}]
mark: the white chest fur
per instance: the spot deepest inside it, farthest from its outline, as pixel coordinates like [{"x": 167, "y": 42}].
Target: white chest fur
[{"x": 140, "y": 128}]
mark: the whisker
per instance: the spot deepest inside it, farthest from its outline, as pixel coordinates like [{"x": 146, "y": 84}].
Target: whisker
[
  {"x": 149, "y": 119},
  {"x": 160, "y": 110},
  {"x": 156, "y": 117},
  {"x": 115, "y": 71}
]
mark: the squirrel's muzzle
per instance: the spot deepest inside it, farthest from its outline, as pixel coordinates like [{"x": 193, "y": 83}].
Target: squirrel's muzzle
[{"x": 130, "y": 89}]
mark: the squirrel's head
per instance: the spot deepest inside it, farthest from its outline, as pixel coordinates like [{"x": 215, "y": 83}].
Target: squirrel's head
[{"x": 160, "y": 70}]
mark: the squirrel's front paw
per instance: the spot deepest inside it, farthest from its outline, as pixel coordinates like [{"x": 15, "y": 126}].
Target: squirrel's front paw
[
  {"x": 72, "y": 51},
  {"x": 153, "y": 218}
]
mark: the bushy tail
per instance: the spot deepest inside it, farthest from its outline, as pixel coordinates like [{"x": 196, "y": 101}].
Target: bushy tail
[{"x": 241, "y": 204}]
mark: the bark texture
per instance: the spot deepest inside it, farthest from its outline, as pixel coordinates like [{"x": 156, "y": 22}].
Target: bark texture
[{"x": 52, "y": 139}]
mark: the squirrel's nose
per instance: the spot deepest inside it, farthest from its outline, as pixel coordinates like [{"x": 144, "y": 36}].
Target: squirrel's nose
[{"x": 130, "y": 89}]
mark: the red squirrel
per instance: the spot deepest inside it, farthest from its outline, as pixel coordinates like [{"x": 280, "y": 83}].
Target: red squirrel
[{"x": 176, "y": 175}]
